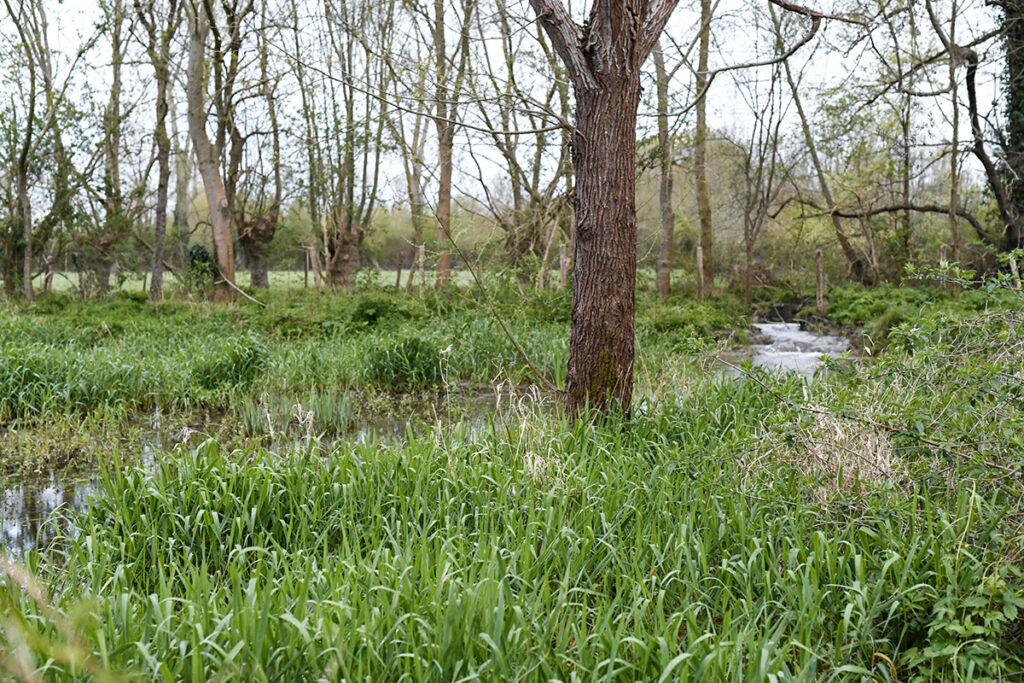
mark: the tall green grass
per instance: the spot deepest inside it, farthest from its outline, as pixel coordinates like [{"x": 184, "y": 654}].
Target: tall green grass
[
  {"x": 863, "y": 527},
  {"x": 538, "y": 551}
]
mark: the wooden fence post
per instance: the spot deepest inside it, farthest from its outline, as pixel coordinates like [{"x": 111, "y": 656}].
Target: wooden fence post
[
  {"x": 422, "y": 258},
  {"x": 700, "y": 274},
  {"x": 1015, "y": 273},
  {"x": 819, "y": 282}
]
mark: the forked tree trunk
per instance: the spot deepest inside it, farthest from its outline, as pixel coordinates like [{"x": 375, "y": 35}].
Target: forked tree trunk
[
  {"x": 207, "y": 157},
  {"x": 604, "y": 57}
]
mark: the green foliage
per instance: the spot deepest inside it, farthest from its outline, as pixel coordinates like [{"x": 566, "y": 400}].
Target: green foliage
[
  {"x": 876, "y": 311},
  {"x": 966, "y": 629},
  {"x": 865, "y": 526},
  {"x": 408, "y": 364},
  {"x": 234, "y": 362},
  {"x": 371, "y": 309},
  {"x": 677, "y": 321}
]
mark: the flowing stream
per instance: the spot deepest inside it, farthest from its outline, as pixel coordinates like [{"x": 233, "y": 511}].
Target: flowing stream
[
  {"x": 28, "y": 506},
  {"x": 785, "y": 346}
]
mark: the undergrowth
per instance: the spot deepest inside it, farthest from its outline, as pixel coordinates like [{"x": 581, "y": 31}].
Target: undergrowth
[
  {"x": 535, "y": 550},
  {"x": 865, "y": 526},
  {"x": 62, "y": 357}
]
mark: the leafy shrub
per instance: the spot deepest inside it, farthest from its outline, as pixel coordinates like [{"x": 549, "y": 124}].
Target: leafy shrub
[
  {"x": 372, "y": 308},
  {"x": 199, "y": 275}
]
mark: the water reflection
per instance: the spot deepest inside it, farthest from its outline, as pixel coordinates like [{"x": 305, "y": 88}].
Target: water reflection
[
  {"x": 27, "y": 509},
  {"x": 30, "y": 507}
]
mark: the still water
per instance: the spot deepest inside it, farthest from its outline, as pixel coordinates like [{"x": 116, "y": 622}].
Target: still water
[{"x": 31, "y": 509}]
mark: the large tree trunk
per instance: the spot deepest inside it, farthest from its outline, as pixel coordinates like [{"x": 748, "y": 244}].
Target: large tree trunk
[
  {"x": 254, "y": 238},
  {"x": 604, "y": 58},
  {"x": 604, "y": 277},
  {"x": 343, "y": 262},
  {"x": 259, "y": 268},
  {"x": 1013, "y": 33},
  {"x": 700, "y": 164},
  {"x": 207, "y": 157}
]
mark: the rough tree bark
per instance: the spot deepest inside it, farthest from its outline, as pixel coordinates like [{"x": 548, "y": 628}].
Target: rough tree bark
[
  {"x": 206, "y": 154},
  {"x": 604, "y": 57}
]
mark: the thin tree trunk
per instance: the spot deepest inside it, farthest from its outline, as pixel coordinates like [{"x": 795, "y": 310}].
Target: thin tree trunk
[
  {"x": 114, "y": 220},
  {"x": 163, "y": 157},
  {"x": 954, "y": 157},
  {"x": 700, "y": 166},
  {"x": 857, "y": 265},
  {"x": 906, "y": 222},
  {"x": 447, "y": 109},
  {"x": 668, "y": 221},
  {"x": 444, "y": 207},
  {"x": 24, "y": 203},
  {"x": 1011, "y": 236}
]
